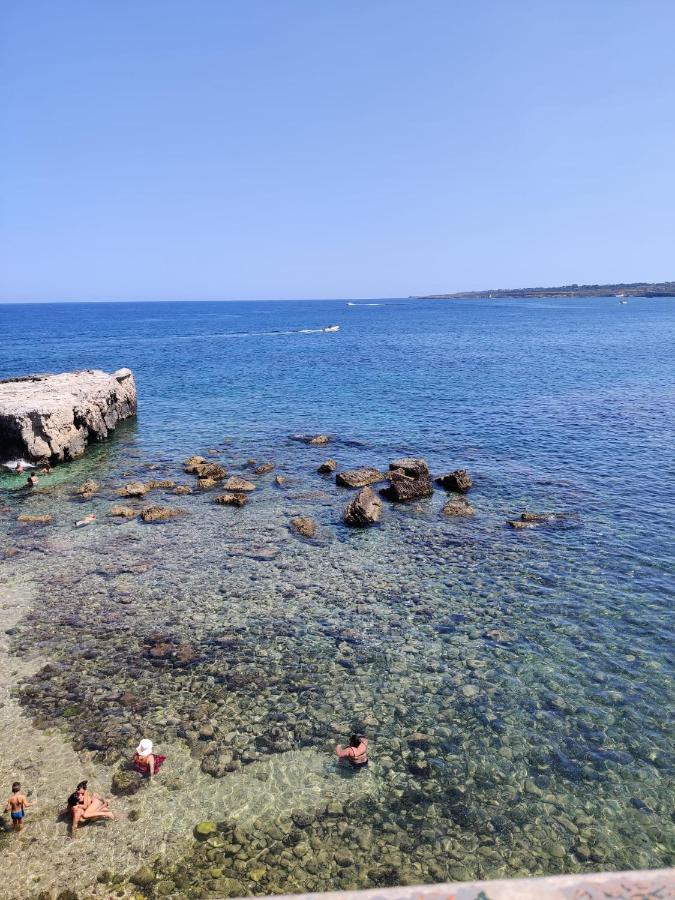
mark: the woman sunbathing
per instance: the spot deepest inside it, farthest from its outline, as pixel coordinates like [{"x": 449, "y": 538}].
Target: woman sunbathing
[{"x": 83, "y": 805}]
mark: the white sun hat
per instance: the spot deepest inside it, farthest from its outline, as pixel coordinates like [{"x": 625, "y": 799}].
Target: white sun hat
[{"x": 144, "y": 748}]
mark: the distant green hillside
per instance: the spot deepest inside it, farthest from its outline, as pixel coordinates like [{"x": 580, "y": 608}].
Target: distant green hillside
[{"x": 636, "y": 289}]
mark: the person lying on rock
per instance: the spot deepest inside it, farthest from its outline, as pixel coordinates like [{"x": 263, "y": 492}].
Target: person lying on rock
[
  {"x": 146, "y": 761},
  {"x": 83, "y": 805},
  {"x": 356, "y": 754}
]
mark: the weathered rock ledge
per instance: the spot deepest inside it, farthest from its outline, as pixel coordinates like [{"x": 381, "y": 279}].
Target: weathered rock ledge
[{"x": 54, "y": 417}]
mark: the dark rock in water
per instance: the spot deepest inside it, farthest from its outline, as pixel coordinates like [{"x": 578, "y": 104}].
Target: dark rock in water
[
  {"x": 459, "y": 481},
  {"x": 364, "y": 510},
  {"x": 519, "y": 523},
  {"x": 458, "y": 506},
  {"x": 313, "y": 439},
  {"x": 88, "y": 487},
  {"x": 230, "y": 499},
  {"x": 126, "y": 782},
  {"x": 208, "y": 470},
  {"x": 357, "y": 478},
  {"x": 54, "y": 417},
  {"x": 409, "y": 479},
  {"x": 327, "y": 467},
  {"x": 264, "y": 468},
  {"x": 410, "y": 466},
  {"x": 304, "y": 526},
  {"x": 159, "y": 513},
  {"x": 238, "y": 484},
  {"x": 183, "y": 489}
]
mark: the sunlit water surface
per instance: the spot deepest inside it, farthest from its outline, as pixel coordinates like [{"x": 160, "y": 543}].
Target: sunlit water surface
[{"x": 516, "y": 686}]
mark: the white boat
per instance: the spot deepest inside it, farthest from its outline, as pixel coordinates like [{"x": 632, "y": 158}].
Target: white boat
[{"x": 332, "y": 328}]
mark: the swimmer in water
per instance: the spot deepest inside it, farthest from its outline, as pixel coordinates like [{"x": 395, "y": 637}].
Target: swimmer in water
[
  {"x": 356, "y": 754},
  {"x": 87, "y": 520},
  {"x": 17, "y": 806}
]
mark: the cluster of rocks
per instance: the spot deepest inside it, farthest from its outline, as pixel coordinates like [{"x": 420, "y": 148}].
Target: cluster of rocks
[{"x": 409, "y": 479}]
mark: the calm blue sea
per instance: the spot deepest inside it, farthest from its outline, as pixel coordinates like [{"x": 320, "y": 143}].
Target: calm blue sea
[{"x": 536, "y": 665}]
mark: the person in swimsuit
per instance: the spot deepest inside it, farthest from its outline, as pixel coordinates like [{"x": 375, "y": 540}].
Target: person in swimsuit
[
  {"x": 32, "y": 481},
  {"x": 17, "y": 806},
  {"x": 356, "y": 754},
  {"x": 83, "y": 805},
  {"x": 146, "y": 761}
]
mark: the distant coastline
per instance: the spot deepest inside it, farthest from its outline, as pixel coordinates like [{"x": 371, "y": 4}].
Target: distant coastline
[{"x": 635, "y": 289}]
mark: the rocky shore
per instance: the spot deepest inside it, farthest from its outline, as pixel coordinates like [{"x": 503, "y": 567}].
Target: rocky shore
[{"x": 52, "y": 418}]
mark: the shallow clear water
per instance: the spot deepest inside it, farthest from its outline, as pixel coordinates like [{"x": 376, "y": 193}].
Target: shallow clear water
[{"x": 516, "y": 687}]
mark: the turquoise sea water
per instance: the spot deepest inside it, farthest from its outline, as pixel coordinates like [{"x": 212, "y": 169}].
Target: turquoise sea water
[{"x": 516, "y": 687}]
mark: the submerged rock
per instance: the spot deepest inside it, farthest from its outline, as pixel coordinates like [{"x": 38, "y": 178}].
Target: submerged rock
[
  {"x": 208, "y": 470},
  {"x": 357, "y": 478},
  {"x": 235, "y": 483},
  {"x": 264, "y": 468},
  {"x": 133, "y": 489},
  {"x": 160, "y": 513},
  {"x": 205, "y": 484},
  {"x": 183, "y": 489},
  {"x": 327, "y": 467},
  {"x": 193, "y": 461},
  {"x": 313, "y": 439},
  {"x": 34, "y": 520},
  {"x": 126, "y": 782},
  {"x": 204, "y": 830},
  {"x": 231, "y": 499},
  {"x": 364, "y": 510},
  {"x": 459, "y": 481},
  {"x": 304, "y": 526},
  {"x": 54, "y": 417},
  {"x": 125, "y": 512},
  {"x": 162, "y": 483},
  {"x": 88, "y": 487},
  {"x": 458, "y": 506},
  {"x": 409, "y": 479}
]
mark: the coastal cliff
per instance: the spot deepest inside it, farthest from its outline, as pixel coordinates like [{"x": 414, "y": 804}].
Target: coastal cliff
[{"x": 54, "y": 417}]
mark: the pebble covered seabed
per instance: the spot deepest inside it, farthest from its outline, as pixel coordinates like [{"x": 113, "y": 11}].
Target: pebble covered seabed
[{"x": 514, "y": 729}]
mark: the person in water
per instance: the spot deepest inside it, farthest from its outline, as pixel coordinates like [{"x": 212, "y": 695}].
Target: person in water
[
  {"x": 32, "y": 481},
  {"x": 17, "y": 806},
  {"x": 83, "y": 805},
  {"x": 146, "y": 761},
  {"x": 356, "y": 754}
]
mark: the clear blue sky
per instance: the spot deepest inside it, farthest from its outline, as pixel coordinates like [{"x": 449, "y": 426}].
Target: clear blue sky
[{"x": 240, "y": 149}]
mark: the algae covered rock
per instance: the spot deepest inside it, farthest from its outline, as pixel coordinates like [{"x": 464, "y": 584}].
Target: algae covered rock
[
  {"x": 88, "y": 487},
  {"x": 124, "y": 512},
  {"x": 160, "y": 513},
  {"x": 143, "y": 877},
  {"x": 126, "y": 782},
  {"x": 204, "y": 830}
]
